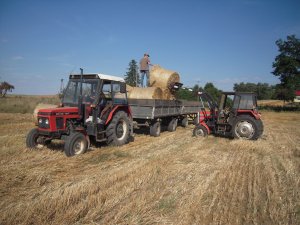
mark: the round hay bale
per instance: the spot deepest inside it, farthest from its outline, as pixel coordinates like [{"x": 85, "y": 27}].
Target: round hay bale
[
  {"x": 42, "y": 106},
  {"x": 145, "y": 93},
  {"x": 163, "y": 78},
  {"x": 128, "y": 88}
]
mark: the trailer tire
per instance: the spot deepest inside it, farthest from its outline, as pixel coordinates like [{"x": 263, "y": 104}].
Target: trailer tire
[
  {"x": 118, "y": 132},
  {"x": 75, "y": 144},
  {"x": 155, "y": 129},
  {"x": 185, "y": 122},
  {"x": 247, "y": 127},
  {"x": 172, "y": 125},
  {"x": 200, "y": 131}
]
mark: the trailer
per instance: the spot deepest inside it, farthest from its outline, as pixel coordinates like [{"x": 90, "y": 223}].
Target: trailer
[{"x": 154, "y": 113}]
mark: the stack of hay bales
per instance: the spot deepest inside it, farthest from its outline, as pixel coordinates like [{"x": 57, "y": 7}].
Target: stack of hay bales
[{"x": 160, "y": 81}]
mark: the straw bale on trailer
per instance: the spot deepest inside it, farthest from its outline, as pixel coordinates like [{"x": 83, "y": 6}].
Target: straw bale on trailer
[
  {"x": 163, "y": 78},
  {"x": 144, "y": 93}
]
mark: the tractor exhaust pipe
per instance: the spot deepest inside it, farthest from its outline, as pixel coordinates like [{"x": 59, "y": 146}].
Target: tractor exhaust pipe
[{"x": 80, "y": 104}]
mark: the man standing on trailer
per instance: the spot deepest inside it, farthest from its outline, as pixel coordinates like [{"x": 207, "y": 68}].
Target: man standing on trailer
[{"x": 144, "y": 69}]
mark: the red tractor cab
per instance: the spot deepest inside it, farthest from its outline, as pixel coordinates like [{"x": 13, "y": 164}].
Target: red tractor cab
[
  {"x": 93, "y": 106},
  {"x": 235, "y": 116}
]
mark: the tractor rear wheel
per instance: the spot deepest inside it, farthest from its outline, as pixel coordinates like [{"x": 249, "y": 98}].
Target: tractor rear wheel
[
  {"x": 155, "y": 129},
  {"x": 75, "y": 144},
  {"x": 247, "y": 127},
  {"x": 200, "y": 131},
  {"x": 117, "y": 131},
  {"x": 172, "y": 125}
]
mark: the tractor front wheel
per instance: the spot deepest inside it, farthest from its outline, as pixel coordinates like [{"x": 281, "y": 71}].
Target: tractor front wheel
[
  {"x": 34, "y": 140},
  {"x": 247, "y": 127},
  {"x": 200, "y": 131},
  {"x": 75, "y": 144}
]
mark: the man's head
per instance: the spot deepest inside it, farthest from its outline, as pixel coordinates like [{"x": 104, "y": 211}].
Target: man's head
[{"x": 146, "y": 55}]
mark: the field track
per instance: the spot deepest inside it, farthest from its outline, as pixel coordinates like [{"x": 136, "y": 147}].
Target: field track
[{"x": 172, "y": 179}]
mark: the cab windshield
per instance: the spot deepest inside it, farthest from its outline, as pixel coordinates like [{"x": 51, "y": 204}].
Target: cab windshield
[{"x": 89, "y": 90}]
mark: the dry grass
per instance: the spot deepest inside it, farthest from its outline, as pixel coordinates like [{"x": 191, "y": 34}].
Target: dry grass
[
  {"x": 271, "y": 103},
  {"x": 172, "y": 179},
  {"x": 25, "y": 103}
]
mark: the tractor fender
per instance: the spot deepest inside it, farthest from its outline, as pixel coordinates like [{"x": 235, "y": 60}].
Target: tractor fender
[
  {"x": 115, "y": 109},
  {"x": 205, "y": 125}
]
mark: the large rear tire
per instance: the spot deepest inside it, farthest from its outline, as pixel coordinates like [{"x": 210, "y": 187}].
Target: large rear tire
[
  {"x": 117, "y": 131},
  {"x": 247, "y": 127},
  {"x": 155, "y": 129},
  {"x": 75, "y": 144}
]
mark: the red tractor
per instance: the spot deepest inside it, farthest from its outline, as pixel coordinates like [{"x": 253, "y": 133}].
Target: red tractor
[
  {"x": 235, "y": 116},
  {"x": 93, "y": 105}
]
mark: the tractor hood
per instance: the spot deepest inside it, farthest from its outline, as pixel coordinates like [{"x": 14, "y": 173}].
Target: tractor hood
[{"x": 59, "y": 111}]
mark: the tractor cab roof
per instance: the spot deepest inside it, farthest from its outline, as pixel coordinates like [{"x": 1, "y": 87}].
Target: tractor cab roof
[{"x": 98, "y": 76}]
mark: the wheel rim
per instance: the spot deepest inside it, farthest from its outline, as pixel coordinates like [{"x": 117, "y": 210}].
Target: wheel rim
[
  {"x": 199, "y": 132},
  {"x": 38, "y": 142},
  {"x": 121, "y": 129},
  {"x": 244, "y": 130},
  {"x": 79, "y": 146}
]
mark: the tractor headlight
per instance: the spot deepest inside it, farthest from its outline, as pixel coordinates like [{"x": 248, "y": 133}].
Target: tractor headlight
[{"x": 43, "y": 123}]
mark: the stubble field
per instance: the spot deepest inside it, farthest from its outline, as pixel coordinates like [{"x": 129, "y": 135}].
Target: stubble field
[{"x": 172, "y": 179}]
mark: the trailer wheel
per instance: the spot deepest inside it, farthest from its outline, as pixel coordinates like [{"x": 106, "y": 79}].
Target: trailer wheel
[
  {"x": 155, "y": 129},
  {"x": 172, "y": 125},
  {"x": 246, "y": 127},
  {"x": 117, "y": 131},
  {"x": 33, "y": 139},
  {"x": 75, "y": 144},
  {"x": 200, "y": 131},
  {"x": 185, "y": 122}
]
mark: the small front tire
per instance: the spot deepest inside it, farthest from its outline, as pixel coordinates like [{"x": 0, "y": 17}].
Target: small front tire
[
  {"x": 200, "y": 131},
  {"x": 75, "y": 144},
  {"x": 33, "y": 139}
]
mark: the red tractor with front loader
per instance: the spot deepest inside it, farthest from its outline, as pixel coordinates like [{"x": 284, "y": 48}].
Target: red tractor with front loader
[{"x": 235, "y": 116}]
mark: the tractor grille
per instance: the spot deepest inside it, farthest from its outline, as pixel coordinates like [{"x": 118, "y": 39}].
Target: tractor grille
[
  {"x": 44, "y": 122},
  {"x": 59, "y": 123}
]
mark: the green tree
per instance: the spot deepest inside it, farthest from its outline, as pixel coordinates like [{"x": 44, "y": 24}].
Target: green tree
[
  {"x": 287, "y": 67},
  {"x": 132, "y": 76},
  {"x": 5, "y": 87},
  {"x": 190, "y": 94},
  {"x": 262, "y": 90},
  {"x": 212, "y": 90}
]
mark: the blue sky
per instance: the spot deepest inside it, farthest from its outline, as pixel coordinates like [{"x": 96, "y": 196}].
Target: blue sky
[{"x": 219, "y": 41}]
